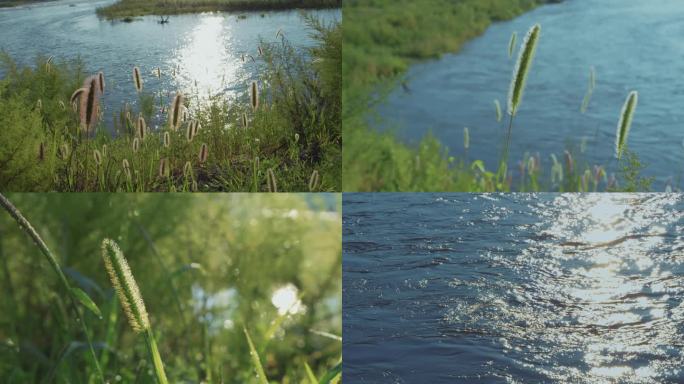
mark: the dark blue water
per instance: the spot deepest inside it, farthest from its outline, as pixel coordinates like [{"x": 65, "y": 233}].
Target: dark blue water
[
  {"x": 198, "y": 54},
  {"x": 463, "y": 288},
  {"x": 633, "y": 44}
]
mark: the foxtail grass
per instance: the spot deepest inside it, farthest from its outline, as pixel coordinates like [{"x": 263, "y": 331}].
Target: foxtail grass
[
  {"x": 89, "y": 103},
  {"x": 254, "y": 95},
  {"x": 176, "y": 111},
  {"x": 26, "y": 226},
  {"x": 518, "y": 83},
  {"x": 137, "y": 79},
  {"x": 314, "y": 180},
  {"x": 271, "y": 181},
  {"x": 203, "y": 153},
  {"x": 511, "y": 44},
  {"x": 131, "y": 301},
  {"x": 625, "y": 123}
]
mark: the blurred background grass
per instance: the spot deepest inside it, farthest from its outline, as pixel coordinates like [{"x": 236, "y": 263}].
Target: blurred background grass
[{"x": 207, "y": 265}]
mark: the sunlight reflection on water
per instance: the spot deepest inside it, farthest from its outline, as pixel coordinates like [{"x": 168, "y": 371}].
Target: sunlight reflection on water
[{"x": 581, "y": 288}]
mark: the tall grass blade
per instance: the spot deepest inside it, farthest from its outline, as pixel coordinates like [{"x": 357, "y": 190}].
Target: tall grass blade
[
  {"x": 261, "y": 375},
  {"x": 33, "y": 234}
]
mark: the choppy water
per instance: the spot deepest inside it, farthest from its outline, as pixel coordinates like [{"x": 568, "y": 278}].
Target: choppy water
[
  {"x": 203, "y": 50},
  {"x": 460, "y": 288},
  {"x": 632, "y": 44}
]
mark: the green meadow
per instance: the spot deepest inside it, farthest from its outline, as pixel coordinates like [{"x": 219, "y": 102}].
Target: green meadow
[
  {"x": 377, "y": 55},
  {"x": 156, "y": 288}
]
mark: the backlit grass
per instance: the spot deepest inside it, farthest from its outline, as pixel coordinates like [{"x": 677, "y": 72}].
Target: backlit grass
[{"x": 208, "y": 270}]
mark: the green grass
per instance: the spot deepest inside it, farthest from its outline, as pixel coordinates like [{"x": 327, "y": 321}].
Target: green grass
[
  {"x": 377, "y": 54},
  {"x": 296, "y": 131},
  {"x": 199, "y": 263},
  {"x": 132, "y": 8}
]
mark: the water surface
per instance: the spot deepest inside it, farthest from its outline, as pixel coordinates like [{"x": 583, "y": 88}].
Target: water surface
[
  {"x": 633, "y": 45},
  {"x": 198, "y": 54},
  {"x": 517, "y": 288}
]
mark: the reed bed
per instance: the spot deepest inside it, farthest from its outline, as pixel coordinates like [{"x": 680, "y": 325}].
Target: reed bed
[
  {"x": 180, "y": 295},
  {"x": 289, "y": 118}
]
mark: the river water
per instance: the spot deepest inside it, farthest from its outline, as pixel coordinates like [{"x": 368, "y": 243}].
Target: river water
[
  {"x": 517, "y": 288},
  {"x": 632, "y": 44},
  {"x": 198, "y": 54}
]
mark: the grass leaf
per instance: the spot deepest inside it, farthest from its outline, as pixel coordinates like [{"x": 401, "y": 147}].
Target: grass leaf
[{"x": 86, "y": 301}]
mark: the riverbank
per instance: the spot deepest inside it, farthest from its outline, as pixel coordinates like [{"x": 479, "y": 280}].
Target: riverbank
[
  {"x": 375, "y": 56},
  {"x": 289, "y": 131},
  {"x": 133, "y": 8},
  {"x": 15, "y": 3}
]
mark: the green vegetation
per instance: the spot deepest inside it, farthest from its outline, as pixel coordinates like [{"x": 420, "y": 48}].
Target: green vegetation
[
  {"x": 377, "y": 54},
  {"x": 14, "y": 3},
  {"x": 132, "y": 8},
  {"x": 212, "y": 288},
  {"x": 50, "y": 142}
]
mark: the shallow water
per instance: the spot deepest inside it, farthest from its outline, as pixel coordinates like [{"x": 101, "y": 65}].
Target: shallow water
[
  {"x": 581, "y": 288},
  {"x": 203, "y": 50},
  {"x": 632, "y": 44}
]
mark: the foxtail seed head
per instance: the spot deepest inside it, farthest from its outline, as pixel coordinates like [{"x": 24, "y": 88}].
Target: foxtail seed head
[
  {"x": 98, "y": 157},
  {"x": 254, "y": 95},
  {"x": 511, "y": 44},
  {"x": 271, "y": 181},
  {"x": 466, "y": 138},
  {"x": 141, "y": 127},
  {"x": 176, "y": 111},
  {"x": 137, "y": 79},
  {"x": 314, "y": 180},
  {"x": 190, "y": 132},
  {"x": 136, "y": 145},
  {"x": 522, "y": 68},
  {"x": 164, "y": 167},
  {"x": 101, "y": 81},
  {"x": 167, "y": 140},
  {"x": 89, "y": 102},
  {"x": 625, "y": 123},
  {"x": 125, "y": 286},
  {"x": 204, "y": 152}
]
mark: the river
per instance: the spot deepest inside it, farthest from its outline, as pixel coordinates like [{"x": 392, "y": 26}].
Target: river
[
  {"x": 633, "y": 45},
  {"x": 200, "y": 55},
  {"x": 513, "y": 288}
]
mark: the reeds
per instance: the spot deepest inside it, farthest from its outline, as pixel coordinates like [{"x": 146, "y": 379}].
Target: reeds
[
  {"x": 131, "y": 300},
  {"x": 137, "y": 79},
  {"x": 625, "y": 123}
]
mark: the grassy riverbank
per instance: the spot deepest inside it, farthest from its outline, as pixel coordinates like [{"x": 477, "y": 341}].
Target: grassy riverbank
[
  {"x": 292, "y": 137},
  {"x": 377, "y": 54},
  {"x": 14, "y": 3},
  {"x": 133, "y": 8}
]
